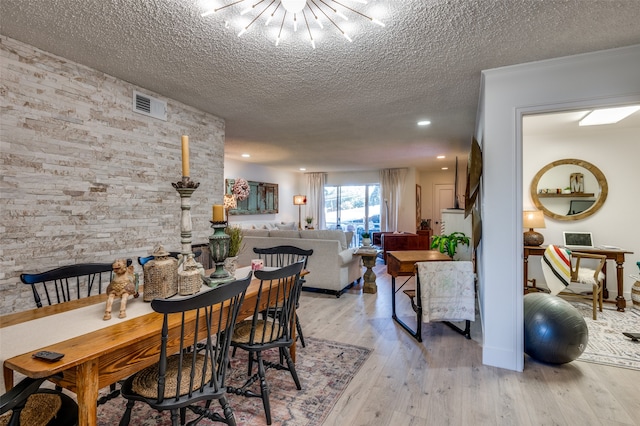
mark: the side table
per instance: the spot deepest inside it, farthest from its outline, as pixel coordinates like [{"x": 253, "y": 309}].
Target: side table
[{"x": 369, "y": 256}]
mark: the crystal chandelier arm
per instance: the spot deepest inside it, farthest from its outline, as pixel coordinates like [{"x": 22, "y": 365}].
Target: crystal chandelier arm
[
  {"x": 253, "y": 6},
  {"x": 220, "y": 8},
  {"x": 281, "y": 26},
  {"x": 244, "y": 30},
  {"x": 329, "y": 18},
  {"x": 304, "y": 15},
  {"x": 375, "y": 21}
]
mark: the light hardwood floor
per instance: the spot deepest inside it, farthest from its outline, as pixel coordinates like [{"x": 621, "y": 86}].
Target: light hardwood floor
[{"x": 442, "y": 381}]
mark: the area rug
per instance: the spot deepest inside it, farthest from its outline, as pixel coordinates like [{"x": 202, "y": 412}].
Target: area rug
[
  {"x": 607, "y": 345},
  {"x": 325, "y": 368}
]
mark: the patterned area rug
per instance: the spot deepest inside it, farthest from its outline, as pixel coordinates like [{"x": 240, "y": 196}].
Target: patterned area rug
[
  {"x": 325, "y": 369},
  {"x": 607, "y": 345}
]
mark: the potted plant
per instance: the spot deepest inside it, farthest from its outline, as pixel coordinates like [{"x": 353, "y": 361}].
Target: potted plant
[
  {"x": 366, "y": 239},
  {"x": 309, "y": 220},
  {"x": 448, "y": 244},
  {"x": 235, "y": 247}
]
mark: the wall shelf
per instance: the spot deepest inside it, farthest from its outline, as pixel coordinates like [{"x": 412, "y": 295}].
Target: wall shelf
[{"x": 572, "y": 195}]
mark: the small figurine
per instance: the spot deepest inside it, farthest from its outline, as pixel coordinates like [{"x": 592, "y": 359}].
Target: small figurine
[{"x": 122, "y": 285}]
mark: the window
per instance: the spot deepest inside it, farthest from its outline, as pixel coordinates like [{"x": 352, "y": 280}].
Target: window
[{"x": 353, "y": 208}]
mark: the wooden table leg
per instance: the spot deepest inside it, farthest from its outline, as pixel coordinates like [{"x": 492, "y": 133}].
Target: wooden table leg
[
  {"x": 87, "y": 376},
  {"x": 620, "y": 302},
  {"x": 8, "y": 378}
]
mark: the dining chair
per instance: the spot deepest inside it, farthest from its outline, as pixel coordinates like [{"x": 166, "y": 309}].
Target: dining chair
[
  {"x": 144, "y": 259},
  {"x": 566, "y": 275},
  {"x": 72, "y": 282},
  {"x": 68, "y": 282},
  {"x": 28, "y": 404},
  {"x": 261, "y": 332},
  {"x": 280, "y": 256},
  {"x": 193, "y": 359}
]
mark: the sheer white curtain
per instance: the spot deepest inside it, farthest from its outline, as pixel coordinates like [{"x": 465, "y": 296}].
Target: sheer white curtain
[
  {"x": 315, "y": 197},
  {"x": 391, "y": 188}
]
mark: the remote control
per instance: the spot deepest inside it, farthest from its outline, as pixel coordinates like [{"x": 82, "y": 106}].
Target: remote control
[
  {"x": 48, "y": 356},
  {"x": 633, "y": 336}
]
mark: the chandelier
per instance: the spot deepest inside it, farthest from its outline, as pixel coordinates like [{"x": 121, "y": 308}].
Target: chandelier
[{"x": 296, "y": 13}]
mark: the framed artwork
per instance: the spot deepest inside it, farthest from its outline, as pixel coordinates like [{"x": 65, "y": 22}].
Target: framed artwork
[
  {"x": 262, "y": 199},
  {"x": 418, "y": 206}
]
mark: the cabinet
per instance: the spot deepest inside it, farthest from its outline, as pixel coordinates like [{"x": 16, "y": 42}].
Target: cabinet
[{"x": 453, "y": 220}]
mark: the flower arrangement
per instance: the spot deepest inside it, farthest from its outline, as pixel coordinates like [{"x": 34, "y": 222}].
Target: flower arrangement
[
  {"x": 309, "y": 219},
  {"x": 241, "y": 189}
]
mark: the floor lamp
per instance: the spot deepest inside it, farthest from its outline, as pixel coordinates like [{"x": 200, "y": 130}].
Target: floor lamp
[{"x": 299, "y": 200}]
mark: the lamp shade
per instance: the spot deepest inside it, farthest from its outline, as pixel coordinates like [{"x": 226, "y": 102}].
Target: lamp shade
[
  {"x": 299, "y": 200},
  {"x": 533, "y": 219}
]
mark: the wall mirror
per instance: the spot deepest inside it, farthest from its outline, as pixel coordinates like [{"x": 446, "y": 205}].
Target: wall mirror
[{"x": 569, "y": 189}]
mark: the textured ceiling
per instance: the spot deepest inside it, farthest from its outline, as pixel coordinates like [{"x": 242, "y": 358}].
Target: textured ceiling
[{"x": 343, "y": 106}]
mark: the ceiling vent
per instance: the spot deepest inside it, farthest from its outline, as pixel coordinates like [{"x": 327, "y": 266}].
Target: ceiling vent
[{"x": 147, "y": 105}]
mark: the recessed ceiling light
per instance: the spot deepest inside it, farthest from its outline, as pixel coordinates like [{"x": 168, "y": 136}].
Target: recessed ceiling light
[
  {"x": 246, "y": 155},
  {"x": 445, "y": 168},
  {"x": 440, "y": 157},
  {"x": 608, "y": 115},
  {"x": 424, "y": 123},
  {"x": 302, "y": 169}
]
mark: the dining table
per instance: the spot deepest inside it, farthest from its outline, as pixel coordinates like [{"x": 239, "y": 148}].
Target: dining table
[{"x": 97, "y": 353}]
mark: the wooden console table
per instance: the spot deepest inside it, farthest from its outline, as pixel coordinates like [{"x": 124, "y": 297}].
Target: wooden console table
[{"x": 611, "y": 254}]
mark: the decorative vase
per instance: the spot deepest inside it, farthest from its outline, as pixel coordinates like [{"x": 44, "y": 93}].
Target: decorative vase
[
  {"x": 230, "y": 265},
  {"x": 366, "y": 242}
]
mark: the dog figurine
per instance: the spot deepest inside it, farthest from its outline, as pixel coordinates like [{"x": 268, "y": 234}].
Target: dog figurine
[{"x": 123, "y": 284}]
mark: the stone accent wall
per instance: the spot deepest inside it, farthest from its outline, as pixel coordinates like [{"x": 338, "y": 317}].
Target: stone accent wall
[{"x": 86, "y": 179}]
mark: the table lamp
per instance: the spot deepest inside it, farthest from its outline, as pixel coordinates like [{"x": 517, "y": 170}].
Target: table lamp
[
  {"x": 299, "y": 200},
  {"x": 533, "y": 219}
]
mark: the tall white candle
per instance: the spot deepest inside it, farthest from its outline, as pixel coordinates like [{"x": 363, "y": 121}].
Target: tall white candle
[{"x": 185, "y": 155}]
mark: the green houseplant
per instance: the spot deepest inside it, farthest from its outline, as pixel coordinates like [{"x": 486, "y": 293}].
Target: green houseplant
[
  {"x": 448, "y": 244},
  {"x": 235, "y": 240},
  {"x": 235, "y": 247}
]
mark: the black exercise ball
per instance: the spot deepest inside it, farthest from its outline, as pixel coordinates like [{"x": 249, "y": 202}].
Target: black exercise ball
[{"x": 554, "y": 331}]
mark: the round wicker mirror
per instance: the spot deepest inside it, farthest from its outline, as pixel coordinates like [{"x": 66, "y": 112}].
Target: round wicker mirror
[{"x": 569, "y": 189}]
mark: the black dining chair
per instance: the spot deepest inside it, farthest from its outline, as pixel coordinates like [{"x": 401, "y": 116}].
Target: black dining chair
[
  {"x": 193, "y": 360},
  {"x": 277, "y": 292},
  {"x": 280, "y": 256},
  {"x": 69, "y": 282},
  {"x": 144, "y": 259},
  {"x": 28, "y": 404}
]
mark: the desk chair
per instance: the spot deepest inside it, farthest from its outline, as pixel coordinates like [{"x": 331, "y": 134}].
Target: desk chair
[
  {"x": 184, "y": 376},
  {"x": 282, "y": 256},
  {"x": 566, "y": 276},
  {"x": 27, "y": 404},
  {"x": 278, "y": 290}
]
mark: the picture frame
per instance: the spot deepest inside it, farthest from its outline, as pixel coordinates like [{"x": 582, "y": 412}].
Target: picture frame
[{"x": 262, "y": 199}]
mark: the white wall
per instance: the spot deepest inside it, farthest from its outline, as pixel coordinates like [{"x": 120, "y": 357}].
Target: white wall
[
  {"x": 616, "y": 154},
  {"x": 506, "y": 94},
  {"x": 289, "y": 184}
]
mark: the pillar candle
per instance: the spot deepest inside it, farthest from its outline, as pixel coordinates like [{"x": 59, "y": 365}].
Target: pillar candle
[
  {"x": 185, "y": 155},
  {"x": 218, "y": 213}
]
